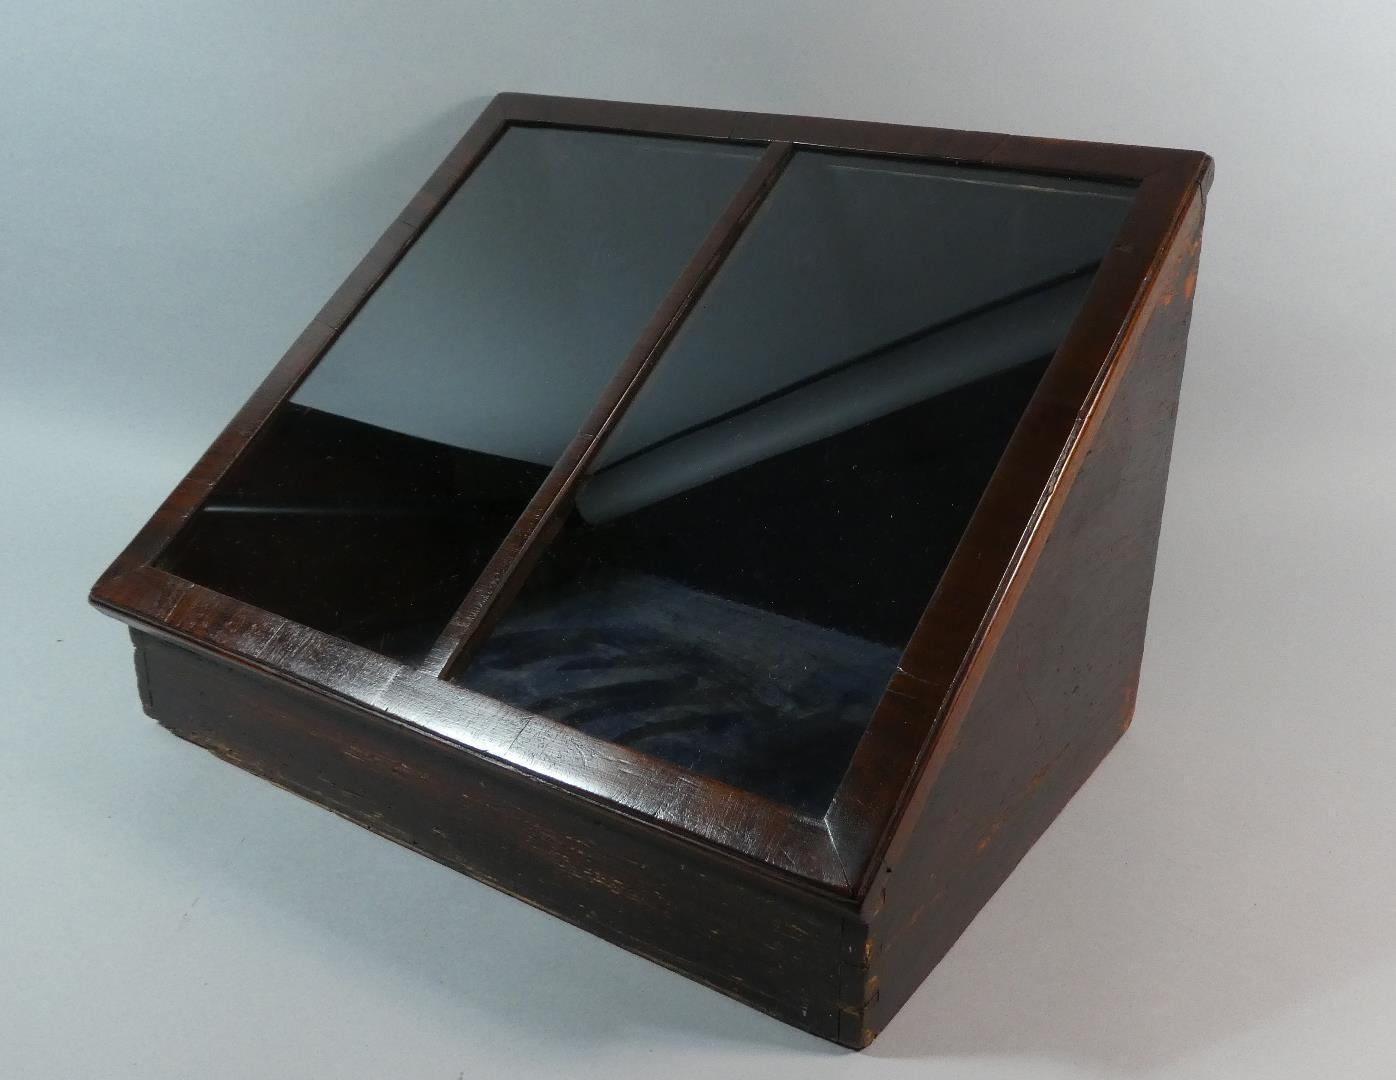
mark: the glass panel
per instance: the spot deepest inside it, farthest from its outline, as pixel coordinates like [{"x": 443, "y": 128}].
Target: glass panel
[
  {"x": 375, "y": 498},
  {"x": 759, "y": 537}
]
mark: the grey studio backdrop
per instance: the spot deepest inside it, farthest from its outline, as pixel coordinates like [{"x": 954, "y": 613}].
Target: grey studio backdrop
[{"x": 183, "y": 184}]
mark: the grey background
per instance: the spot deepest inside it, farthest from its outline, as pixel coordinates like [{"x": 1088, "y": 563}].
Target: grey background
[{"x": 182, "y": 184}]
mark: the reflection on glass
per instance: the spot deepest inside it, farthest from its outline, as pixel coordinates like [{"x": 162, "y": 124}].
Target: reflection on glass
[
  {"x": 374, "y": 499},
  {"x": 760, "y": 535}
]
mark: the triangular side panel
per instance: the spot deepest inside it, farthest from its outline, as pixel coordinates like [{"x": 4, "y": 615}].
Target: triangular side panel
[{"x": 1060, "y": 686}]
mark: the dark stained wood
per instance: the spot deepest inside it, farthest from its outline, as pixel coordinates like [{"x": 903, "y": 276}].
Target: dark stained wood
[
  {"x": 739, "y": 932},
  {"x": 1101, "y": 160},
  {"x": 1062, "y": 156},
  {"x": 766, "y": 834},
  {"x": 680, "y": 121},
  {"x": 1054, "y": 686},
  {"x": 1017, "y": 680},
  {"x": 1003, "y": 528}
]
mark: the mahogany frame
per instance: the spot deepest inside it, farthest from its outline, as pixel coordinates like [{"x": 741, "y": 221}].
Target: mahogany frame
[{"x": 912, "y": 728}]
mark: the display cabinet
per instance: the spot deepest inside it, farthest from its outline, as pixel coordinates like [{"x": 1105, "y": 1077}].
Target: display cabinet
[{"x": 731, "y": 533}]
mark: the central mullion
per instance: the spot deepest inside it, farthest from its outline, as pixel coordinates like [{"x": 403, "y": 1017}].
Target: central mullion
[{"x": 502, "y": 577}]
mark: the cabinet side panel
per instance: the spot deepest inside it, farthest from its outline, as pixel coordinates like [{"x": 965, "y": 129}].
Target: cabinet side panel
[
  {"x": 768, "y": 946},
  {"x": 1059, "y": 688}
]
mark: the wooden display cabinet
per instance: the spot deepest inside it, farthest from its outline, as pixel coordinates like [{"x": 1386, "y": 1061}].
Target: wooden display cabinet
[{"x": 730, "y": 533}]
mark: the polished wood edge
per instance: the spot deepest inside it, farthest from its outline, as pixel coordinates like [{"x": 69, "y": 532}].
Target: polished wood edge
[
  {"x": 829, "y": 855},
  {"x": 518, "y": 553},
  {"x": 956, "y": 691},
  {"x": 1119, "y": 161},
  {"x": 604, "y": 776},
  {"x": 680, "y": 121}
]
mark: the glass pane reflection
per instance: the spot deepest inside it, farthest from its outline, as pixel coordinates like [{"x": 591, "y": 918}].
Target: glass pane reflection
[
  {"x": 373, "y": 500},
  {"x": 761, "y": 533}
]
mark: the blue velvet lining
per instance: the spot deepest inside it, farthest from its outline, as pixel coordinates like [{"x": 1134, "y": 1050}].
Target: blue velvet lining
[{"x": 764, "y": 702}]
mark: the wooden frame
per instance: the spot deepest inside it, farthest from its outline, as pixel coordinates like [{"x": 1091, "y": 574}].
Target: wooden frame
[{"x": 841, "y": 855}]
